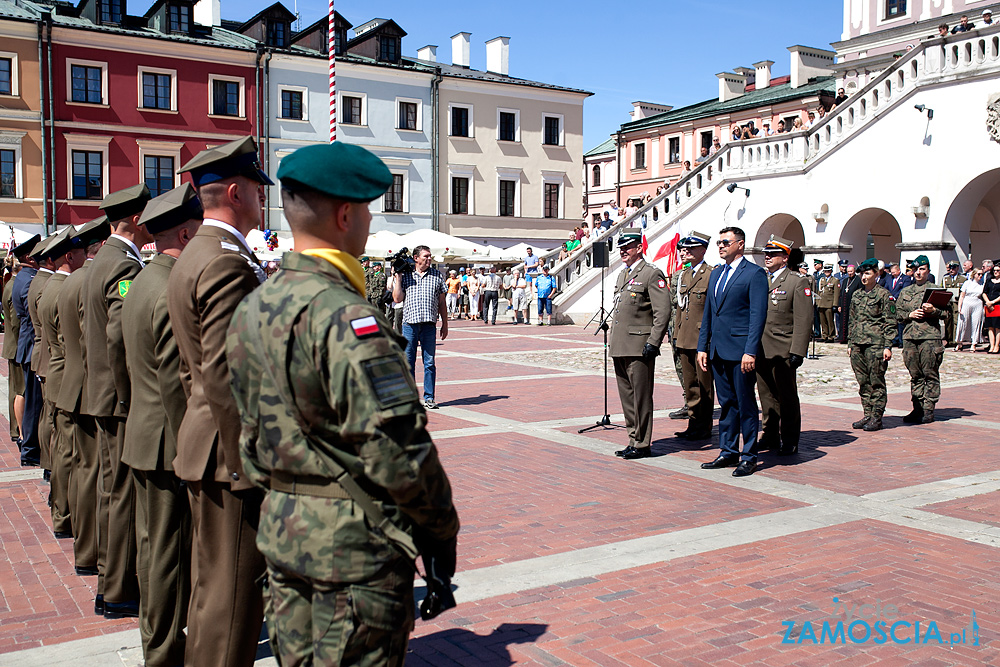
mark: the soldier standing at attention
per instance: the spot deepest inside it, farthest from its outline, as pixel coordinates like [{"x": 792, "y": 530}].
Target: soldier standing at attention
[
  {"x": 163, "y": 516},
  {"x": 682, "y": 412},
  {"x": 90, "y": 545},
  {"x": 922, "y": 345},
  {"x": 639, "y": 324},
  {"x": 692, "y": 295},
  {"x": 213, "y": 273},
  {"x": 871, "y": 329},
  {"x": 40, "y": 351},
  {"x": 108, "y": 389},
  {"x": 377, "y": 287},
  {"x": 827, "y": 293},
  {"x": 952, "y": 281},
  {"x": 784, "y": 346},
  {"x": 329, "y": 407},
  {"x": 11, "y": 329},
  {"x": 25, "y": 344}
]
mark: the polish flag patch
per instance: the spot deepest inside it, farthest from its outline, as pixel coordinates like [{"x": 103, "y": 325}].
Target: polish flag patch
[{"x": 365, "y": 326}]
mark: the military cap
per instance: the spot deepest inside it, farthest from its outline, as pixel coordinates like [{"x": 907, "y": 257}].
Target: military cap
[
  {"x": 39, "y": 250},
  {"x": 868, "y": 264},
  {"x": 61, "y": 243},
  {"x": 804, "y": 265},
  {"x": 628, "y": 237},
  {"x": 171, "y": 209},
  {"x": 954, "y": 264},
  {"x": 921, "y": 260},
  {"x": 94, "y": 231},
  {"x": 909, "y": 263},
  {"x": 818, "y": 261},
  {"x": 778, "y": 244},
  {"x": 342, "y": 171},
  {"x": 843, "y": 262},
  {"x": 694, "y": 240},
  {"x": 828, "y": 267},
  {"x": 21, "y": 251},
  {"x": 237, "y": 158},
  {"x": 125, "y": 203}
]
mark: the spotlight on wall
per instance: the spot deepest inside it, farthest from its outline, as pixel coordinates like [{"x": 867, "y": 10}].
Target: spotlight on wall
[
  {"x": 922, "y": 107},
  {"x": 732, "y": 187}
]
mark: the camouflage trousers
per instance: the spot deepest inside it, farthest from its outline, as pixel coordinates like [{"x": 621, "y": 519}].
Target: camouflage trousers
[
  {"x": 313, "y": 622},
  {"x": 923, "y": 359},
  {"x": 869, "y": 369}
]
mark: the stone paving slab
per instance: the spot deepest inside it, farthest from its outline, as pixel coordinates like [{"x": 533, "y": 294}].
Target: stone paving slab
[{"x": 521, "y": 497}]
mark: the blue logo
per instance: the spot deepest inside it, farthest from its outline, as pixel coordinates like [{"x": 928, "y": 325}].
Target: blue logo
[{"x": 876, "y": 624}]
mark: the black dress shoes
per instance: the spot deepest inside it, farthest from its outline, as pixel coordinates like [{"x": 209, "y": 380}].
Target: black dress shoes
[
  {"x": 63, "y": 534},
  {"x": 87, "y": 572},
  {"x": 679, "y": 413},
  {"x": 744, "y": 469},
  {"x": 621, "y": 452},
  {"x": 721, "y": 461},
  {"x": 128, "y": 609},
  {"x": 785, "y": 450},
  {"x": 636, "y": 453},
  {"x": 29, "y": 463},
  {"x": 99, "y": 605}
]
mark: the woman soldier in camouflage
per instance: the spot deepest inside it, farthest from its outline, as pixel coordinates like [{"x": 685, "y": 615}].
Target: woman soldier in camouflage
[{"x": 871, "y": 328}]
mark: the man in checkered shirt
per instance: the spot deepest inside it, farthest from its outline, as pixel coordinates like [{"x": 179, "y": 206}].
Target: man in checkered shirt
[{"x": 422, "y": 294}]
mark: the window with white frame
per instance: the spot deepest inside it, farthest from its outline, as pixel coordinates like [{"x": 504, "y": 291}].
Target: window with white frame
[
  {"x": 673, "y": 150},
  {"x": 86, "y": 81},
  {"x": 393, "y": 201},
  {"x": 895, "y": 9},
  {"x": 353, "y": 108},
  {"x": 462, "y": 178},
  {"x": 87, "y": 166},
  {"x": 552, "y": 130},
  {"x": 461, "y": 120},
  {"x": 553, "y": 195},
  {"x": 508, "y": 192},
  {"x": 294, "y": 104},
  {"x": 226, "y": 96},
  {"x": 8, "y": 74},
  {"x": 11, "y": 177},
  {"x": 596, "y": 180},
  {"x": 157, "y": 89},
  {"x": 639, "y": 155},
  {"x": 408, "y": 114},
  {"x": 508, "y": 125}
]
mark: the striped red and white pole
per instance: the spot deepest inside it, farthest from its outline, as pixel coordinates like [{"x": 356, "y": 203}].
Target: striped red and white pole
[{"x": 332, "y": 48}]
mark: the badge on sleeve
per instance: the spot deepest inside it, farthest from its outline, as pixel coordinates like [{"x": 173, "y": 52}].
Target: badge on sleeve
[
  {"x": 388, "y": 380},
  {"x": 365, "y": 327},
  {"x": 123, "y": 286},
  {"x": 660, "y": 283},
  {"x": 808, "y": 292}
]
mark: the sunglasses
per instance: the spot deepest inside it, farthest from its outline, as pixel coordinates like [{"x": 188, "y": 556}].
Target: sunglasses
[{"x": 725, "y": 243}]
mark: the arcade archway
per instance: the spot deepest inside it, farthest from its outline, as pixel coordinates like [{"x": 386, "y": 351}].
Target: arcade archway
[
  {"x": 972, "y": 222},
  {"x": 784, "y": 225},
  {"x": 873, "y": 232}
]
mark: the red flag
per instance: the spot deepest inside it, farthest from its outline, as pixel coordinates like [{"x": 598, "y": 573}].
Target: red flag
[{"x": 669, "y": 250}]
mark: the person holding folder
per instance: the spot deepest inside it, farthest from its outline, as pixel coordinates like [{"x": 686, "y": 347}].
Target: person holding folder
[{"x": 923, "y": 347}]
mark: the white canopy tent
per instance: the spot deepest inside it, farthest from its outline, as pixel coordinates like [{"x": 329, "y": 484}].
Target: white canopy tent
[
  {"x": 383, "y": 243},
  {"x": 443, "y": 245},
  {"x": 11, "y": 236}
]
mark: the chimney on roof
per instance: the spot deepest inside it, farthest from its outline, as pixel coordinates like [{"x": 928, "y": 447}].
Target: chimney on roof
[
  {"x": 763, "y": 76},
  {"x": 747, "y": 72},
  {"x": 808, "y": 62},
  {"x": 208, "y": 12},
  {"x": 460, "y": 49},
  {"x": 429, "y": 52},
  {"x": 642, "y": 110},
  {"x": 498, "y": 55},
  {"x": 731, "y": 85}
]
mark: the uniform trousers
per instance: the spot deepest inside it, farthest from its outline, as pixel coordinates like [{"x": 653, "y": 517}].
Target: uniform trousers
[
  {"x": 32, "y": 414},
  {"x": 923, "y": 359},
  {"x": 163, "y": 526},
  {"x": 45, "y": 430},
  {"x": 491, "y": 299},
  {"x": 869, "y": 369},
  {"x": 226, "y": 611},
  {"x": 15, "y": 388},
  {"x": 61, "y": 460},
  {"x": 120, "y": 580},
  {"x": 826, "y": 323},
  {"x": 635, "y": 389},
  {"x": 779, "y": 401},
  {"x": 313, "y": 622},
  {"x": 84, "y": 484},
  {"x": 699, "y": 395}
]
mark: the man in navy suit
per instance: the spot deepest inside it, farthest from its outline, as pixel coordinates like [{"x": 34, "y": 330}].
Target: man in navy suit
[{"x": 731, "y": 329}]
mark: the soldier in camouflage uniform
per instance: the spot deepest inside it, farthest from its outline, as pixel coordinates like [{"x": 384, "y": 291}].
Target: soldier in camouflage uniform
[
  {"x": 339, "y": 591},
  {"x": 870, "y": 331},
  {"x": 376, "y": 287},
  {"x": 952, "y": 281},
  {"x": 922, "y": 346}
]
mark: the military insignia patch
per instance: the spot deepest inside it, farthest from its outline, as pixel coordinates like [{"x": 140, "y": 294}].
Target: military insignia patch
[
  {"x": 660, "y": 283},
  {"x": 226, "y": 245},
  {"x": 388, "y": 380},
  {"x": 808, "y": 292},
  {"x": 123, "y": 286},
  {"x": 364, "y": 327}
]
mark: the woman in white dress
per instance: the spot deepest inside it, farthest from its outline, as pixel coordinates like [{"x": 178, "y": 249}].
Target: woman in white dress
[
  {"x": 475, "y": 293},
  {"x": 970, "y": 311}
]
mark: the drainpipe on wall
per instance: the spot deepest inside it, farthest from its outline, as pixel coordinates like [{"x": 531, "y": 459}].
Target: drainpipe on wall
[
  {"x": 618, "y": 169},
  {"x": 41, "y": 113},
  {"x": 267, "y": 137},
  {"x": 256, "y": 97},
  {"x": 435, "y": 152},
  {"x": 47, "y": 16}
]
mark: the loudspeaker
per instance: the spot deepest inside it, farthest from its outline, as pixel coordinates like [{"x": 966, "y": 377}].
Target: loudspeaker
[{"x": 601, "y": 255}]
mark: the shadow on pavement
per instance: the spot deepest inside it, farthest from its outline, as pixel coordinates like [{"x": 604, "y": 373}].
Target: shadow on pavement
[
  {"x": 474, "y": 400},
  {"x": 491, "y": 649},
  {"x": 811, "y": 444}
]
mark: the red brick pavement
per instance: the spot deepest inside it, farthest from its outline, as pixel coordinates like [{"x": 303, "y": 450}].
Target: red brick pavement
[
  {"x": 726, "y": 607},
  {"x": 979, "y": 401},
  {"x": 520, "y": 497},
  {"x": 450, "y": 368},
  {"x": 984, "y": 508}
]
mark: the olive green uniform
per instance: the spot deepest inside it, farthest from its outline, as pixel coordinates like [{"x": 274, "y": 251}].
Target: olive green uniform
[
  {"x": 827, "y": 295},
  {"x": 699, "y": 390},
  {"x": 376, "y": 288},
  {"x": 15, "y": 374},
  {"x": 871, "y": 330},
  {"x": 355, "y": 407},
  {"x": 922, "y": 346}
]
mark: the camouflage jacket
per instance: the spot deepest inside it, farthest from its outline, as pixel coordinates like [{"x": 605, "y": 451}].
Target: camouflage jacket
[
  {"x": 911, "y": 298},
  {"x": 357, "y": 398},
  {"x": 872, "y": 318},
  {"x": 375, "y": 286}
]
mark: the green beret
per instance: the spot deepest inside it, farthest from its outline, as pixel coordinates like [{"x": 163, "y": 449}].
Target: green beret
[
  {"x": 126, "y": 203},
  {"x": 921, "y": 260},
  {"x": 341, "y": 171},
  {"x": 628, "y": 237},
  {"x": 871, "y": 264}
]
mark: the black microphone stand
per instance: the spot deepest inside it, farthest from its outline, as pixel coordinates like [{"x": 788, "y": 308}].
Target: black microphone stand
[{"x": 603, "y": 315}]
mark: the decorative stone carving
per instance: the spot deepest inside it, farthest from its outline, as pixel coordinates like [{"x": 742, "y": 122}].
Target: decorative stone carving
[{"x": 993, "y": 118}]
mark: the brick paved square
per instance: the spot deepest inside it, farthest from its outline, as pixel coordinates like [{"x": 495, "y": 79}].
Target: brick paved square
[
  {"x": 979, "y": 401},
  {"x": 984, "y": 508}
]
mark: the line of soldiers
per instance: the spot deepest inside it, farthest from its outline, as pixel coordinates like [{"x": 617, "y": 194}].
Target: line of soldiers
[{"x": 129, "y": 401}]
